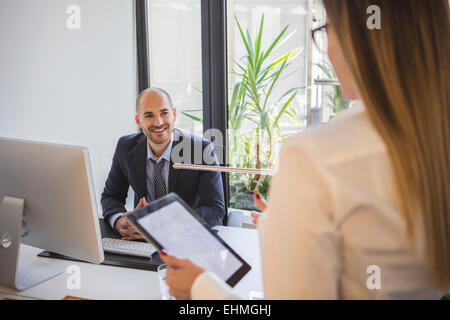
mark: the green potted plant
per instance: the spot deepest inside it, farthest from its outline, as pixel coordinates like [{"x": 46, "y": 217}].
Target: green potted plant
[{"x": 253, "y": 100}]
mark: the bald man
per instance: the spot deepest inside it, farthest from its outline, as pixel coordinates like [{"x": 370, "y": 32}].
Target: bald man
[{"x": 143, "y": 161}]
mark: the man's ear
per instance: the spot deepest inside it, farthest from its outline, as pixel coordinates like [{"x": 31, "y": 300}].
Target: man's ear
[
  {"x": 174, "y": 114},
  {"x": 136, "y": 118}
]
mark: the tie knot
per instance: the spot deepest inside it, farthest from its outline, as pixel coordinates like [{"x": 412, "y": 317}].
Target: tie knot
[{"x": 158, "y": 165}]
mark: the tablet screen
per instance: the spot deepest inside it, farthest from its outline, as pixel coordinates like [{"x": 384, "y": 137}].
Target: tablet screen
[{"x": 182, "y": 235}]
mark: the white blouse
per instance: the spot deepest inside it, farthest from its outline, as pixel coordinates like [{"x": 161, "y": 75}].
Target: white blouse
[{"x": 333, "y": 229}]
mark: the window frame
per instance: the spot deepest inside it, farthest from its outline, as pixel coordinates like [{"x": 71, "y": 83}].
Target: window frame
[{"x": 214, "y": 69}]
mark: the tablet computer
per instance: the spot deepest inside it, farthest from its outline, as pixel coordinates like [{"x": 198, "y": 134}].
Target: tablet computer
[{"x": 170, "y": 224}]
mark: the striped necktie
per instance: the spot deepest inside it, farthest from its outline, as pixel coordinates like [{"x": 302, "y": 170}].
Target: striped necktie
[{"x": 158, "y": 179}]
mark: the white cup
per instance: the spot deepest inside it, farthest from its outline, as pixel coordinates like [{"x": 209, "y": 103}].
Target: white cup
[{"x": 162, "y": 282}]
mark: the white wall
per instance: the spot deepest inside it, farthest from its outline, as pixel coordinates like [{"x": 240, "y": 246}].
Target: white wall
[{"x": 69, "y": 86}]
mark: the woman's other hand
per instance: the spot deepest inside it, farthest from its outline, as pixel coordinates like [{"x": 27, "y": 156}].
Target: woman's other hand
[
  {"x": 180, "y": 275},
  {"x": 261, "y": 203}
]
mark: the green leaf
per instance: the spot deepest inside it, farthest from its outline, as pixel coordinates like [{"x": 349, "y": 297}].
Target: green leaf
[
  {"x": 258, "y": 39},
  {"x": 197, "y": 119},
  {"x": 274, "y": 81},
  {"x": 283, "y": 58},
  {"x": 274, "y": 43},
  {"x": 283, "y": 109},
  {"x": 293, "y": 119}
]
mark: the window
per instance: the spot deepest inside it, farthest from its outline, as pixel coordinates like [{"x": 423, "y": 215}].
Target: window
[
  {"x": 267, "y": 79},
  {"x": 291, "y": 87},
  {"x": 175, "y": 56}
]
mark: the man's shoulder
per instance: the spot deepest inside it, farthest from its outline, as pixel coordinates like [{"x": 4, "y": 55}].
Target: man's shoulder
[{"x": 129, "y": 141}]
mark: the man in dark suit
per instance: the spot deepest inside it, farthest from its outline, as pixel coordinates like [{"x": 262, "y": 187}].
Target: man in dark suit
[{"x": 144, "y": 161}]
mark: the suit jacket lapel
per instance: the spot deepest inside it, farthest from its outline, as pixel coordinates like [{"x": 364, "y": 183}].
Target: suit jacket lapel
[
  {"x": 173, "y": 176},
  {"x": 173, "y": 173},
  {"x": 137, "y": 161}
]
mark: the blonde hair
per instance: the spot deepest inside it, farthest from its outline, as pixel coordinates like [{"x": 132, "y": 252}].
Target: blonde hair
[{"x": 403, "y": 76}]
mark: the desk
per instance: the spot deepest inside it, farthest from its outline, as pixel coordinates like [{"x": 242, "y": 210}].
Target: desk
[{"x": 106, "y": 282}]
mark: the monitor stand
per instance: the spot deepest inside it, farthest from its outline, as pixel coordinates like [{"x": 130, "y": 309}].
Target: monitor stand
[{"x": 15, "y": 275}]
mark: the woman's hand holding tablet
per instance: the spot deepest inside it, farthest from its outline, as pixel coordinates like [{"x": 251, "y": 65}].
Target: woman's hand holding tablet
[{"x": 171, "y": 225}]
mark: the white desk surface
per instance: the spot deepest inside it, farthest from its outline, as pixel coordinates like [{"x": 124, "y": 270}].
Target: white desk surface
[{"x": 101, "y": 282}]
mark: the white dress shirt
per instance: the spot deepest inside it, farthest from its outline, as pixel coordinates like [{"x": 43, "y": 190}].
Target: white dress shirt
[
  {"x": 149, "y": 172},
  {"x": 333, "y": 223}
]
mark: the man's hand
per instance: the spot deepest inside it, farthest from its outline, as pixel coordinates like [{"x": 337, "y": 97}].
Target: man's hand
[
  {"x": 125, "y": 228},
  {"x": 261, "y": 203}
]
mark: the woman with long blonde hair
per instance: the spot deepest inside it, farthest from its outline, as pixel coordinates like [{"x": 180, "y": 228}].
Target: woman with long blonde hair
[{"x": 370, "y": 190}]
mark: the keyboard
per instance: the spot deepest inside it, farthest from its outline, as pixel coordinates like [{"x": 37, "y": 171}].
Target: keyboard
[{"x": 125, "y": 247}]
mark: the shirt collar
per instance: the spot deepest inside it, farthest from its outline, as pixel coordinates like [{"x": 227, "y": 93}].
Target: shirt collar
[{"x": 165, "y": 155}]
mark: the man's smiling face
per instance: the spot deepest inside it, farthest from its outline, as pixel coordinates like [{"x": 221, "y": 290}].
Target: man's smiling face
[{"x": 156, "y": 117}]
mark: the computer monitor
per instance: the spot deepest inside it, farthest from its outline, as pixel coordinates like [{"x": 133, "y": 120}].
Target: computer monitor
[{"x": 59, "y": 208}]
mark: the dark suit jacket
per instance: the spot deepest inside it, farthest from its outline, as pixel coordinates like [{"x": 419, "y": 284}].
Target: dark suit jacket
[{"x": 202, "y": 190}]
